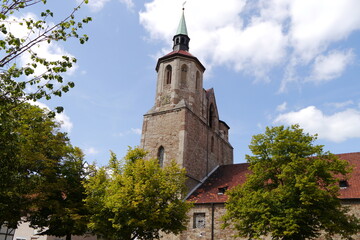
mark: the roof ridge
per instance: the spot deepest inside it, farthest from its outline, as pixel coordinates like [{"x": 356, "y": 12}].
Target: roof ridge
[{"x": 202, "y": 182}]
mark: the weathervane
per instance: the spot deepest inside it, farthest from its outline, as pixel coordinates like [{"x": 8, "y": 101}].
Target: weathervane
[{"x": 184, "y": 5}]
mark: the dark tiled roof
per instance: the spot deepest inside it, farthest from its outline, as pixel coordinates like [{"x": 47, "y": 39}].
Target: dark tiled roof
[{"x": 229, "y": 176}]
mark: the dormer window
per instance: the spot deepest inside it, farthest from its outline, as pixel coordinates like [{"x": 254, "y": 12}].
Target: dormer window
[
  {"x": 343, "y": 184},
  {"x": 222, "y": 190}
]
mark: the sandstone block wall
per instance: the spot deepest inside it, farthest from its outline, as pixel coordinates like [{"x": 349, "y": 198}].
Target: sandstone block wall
[
  {"x": 165, "y": 129},
  {"x": 213, "y": 231},
  {"x": 187, "y": 139}
]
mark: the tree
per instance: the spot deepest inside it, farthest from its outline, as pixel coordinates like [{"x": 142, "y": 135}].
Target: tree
[
  {"x": 137, "y": 199},
  {"x": 30, "y": 143},
  {"x": 42, "y": 179},
  {"x": 58, "y": 206},
  {"x": 41, "y": 74},
  {"x": 292, "y": 192}
]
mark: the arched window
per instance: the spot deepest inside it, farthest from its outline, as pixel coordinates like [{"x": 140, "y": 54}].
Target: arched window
[
  {"x": 197, "y": 82},
  {"x": 168, "y": 73},
  {"x": 211, "y": 116},
  {"x": 184, "y": 70},
  {"x": 161, "y": 152}
]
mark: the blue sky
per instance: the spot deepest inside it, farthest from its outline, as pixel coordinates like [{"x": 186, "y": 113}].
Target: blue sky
[{"x": 270, "y": 62}]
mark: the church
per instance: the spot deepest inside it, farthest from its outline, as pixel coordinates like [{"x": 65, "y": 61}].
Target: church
[{"x": 184, "y": 125}]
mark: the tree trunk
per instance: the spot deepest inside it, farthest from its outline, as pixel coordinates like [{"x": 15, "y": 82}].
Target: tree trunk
[{"x": 68, "y": 236}]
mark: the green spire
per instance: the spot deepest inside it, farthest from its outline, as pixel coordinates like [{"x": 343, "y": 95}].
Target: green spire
[{"x": 182, "y": 25}]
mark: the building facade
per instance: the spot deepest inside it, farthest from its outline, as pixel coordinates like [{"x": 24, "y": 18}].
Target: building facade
[{"x": 183, "y": 125}]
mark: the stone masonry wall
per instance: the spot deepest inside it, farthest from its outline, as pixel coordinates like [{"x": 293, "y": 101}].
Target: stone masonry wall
[
  {"x": 187, "y": 139},
  {"x": 213, "y": 231},
  {"x": 164, "y": 129},
  {"x": 204, "y": 148}
]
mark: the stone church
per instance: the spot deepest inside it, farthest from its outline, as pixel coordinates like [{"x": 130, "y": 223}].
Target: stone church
[
  {"x": 184, "y": 122},
  {"x": 184, "y": 125}
]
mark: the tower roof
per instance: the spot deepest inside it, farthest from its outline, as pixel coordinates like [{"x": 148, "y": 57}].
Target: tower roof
[
  {"x": 182, "y": 25},
  {"x": 181, "y": 39}
]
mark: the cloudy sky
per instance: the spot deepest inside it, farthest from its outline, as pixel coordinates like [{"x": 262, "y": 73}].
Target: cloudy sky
[{"x": 270, "y": 62}]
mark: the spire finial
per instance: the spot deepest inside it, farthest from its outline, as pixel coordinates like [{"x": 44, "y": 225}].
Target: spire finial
[
  {"x": 181, "y": 38},
  {"x": 183, "y": 8},
  {"x": 182, "y": 24}
]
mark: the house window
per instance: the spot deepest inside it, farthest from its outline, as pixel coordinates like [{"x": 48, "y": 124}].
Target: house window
[
  {"x": 168, "y": 73},
  {"x": 199, "y": 220},
  {"x": 222, "y": 190},
  {"x": 161, "y": 152},
  {"x": 343, "y": 184}
]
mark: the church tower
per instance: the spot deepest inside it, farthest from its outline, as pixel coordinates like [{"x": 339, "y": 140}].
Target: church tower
[{"x": 184, "y": 122}]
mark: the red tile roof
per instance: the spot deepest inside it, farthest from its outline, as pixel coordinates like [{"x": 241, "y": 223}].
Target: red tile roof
[
  {"x": 353, "y": 190},
  {"x": 182, "y": 52},
  {"x": 179, "y": 53},
  {"x": 232, "y": 175}
]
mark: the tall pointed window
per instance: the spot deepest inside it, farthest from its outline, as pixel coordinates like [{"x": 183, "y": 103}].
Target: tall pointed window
[
  {"x": 184, "y": 70},
  {"x": 161, "y": 152},
  {"x": 211, "y": 116},
  {"x": 168, "y": 73}
]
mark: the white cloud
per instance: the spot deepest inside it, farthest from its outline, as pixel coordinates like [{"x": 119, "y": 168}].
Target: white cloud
[
  {"x": 341, "y": 104},
  {"x": 337, "y": 127},
  {"x": 256, "y": 36},
  {"x": 91, "y": 151},
  {"x": 137, "y": 131},
  {"x": 65, "y": 121},
  {"x": 220, "y": 36},
  {"x": 50, "y": 51},
  {"x": 62, "y": 118},
  {"x": 281, "y": 107},
  {"x": 97, "y": 5},
  {"x": 331, "y": 66},
  {"x": 315, "y": 24}
]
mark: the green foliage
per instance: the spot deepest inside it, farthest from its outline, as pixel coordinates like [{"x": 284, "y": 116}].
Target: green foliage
[
  {"x": 292, "y": 192},
  {"x": 41, "y": 173},
  {"x": 58, "y": 206},
  {"x": 30, "y": 143},
  {"x": 35, "y": 157},
  {"x": 41, "y": 73},
  {"x": 137, "y": 199}
]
